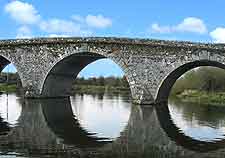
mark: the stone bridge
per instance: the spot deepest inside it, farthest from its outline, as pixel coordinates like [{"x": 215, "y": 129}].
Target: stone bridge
[{"x": 48, "y": 66}]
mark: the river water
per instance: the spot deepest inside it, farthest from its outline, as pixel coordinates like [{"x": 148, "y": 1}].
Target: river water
[{"x": 109, "y": 126}]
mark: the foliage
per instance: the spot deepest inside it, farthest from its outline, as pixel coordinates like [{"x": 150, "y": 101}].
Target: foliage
[
  {"x": 202, "y": 97},
  {"x": 8, "y": 88},
  {"x": 103, "y": 81},
  {"x": 13, "y": 78},
  {"x": 9, "y": 82},
  {"x": 208, "y": 79},
  {"x": 101, "y": 85}
]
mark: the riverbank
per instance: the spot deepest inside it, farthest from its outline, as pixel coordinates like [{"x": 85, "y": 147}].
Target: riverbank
[
  {"x": 79, "y": 89},
  {"x": 93, "y": 89},
  {"x": 202, "y": 97},
  {"x": 8, "y": 88}
]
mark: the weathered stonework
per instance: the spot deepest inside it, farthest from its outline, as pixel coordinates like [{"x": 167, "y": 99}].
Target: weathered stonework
[{"x": 48, "y": 66}]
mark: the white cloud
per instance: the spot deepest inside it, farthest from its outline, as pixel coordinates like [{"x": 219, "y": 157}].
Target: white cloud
[
  {"x": 57, "y": 35},
  {"x": 98, "y": 21},
  {"x": 24, "y": 32},
  {"x": 22, "y": 12},
  {"x": 190, "y": 24},
  {"x": 26, "y": 14},
  {"x": 160, "y": 29},
  {"x": 218, "y": 35},
  {"x": 78, "y": 18},
  {"x": 60, "y": 27}
]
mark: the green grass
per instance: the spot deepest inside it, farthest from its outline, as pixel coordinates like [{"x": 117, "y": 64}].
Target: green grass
[
  {"x": 8, "y": 88},
  {"x": 92, "y": 89},
  {"x": 202, "y": 97},
  {"x": 84, "y": 89}
]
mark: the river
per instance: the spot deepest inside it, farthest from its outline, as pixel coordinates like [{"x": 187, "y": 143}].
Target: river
[{"x": 109, "y": 126}]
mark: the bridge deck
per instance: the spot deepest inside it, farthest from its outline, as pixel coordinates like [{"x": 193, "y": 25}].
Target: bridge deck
[{"x": 112, "y": 40}]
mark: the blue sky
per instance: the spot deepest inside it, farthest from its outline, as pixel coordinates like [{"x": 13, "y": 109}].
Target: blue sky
[{"x": 199, "y": 21}]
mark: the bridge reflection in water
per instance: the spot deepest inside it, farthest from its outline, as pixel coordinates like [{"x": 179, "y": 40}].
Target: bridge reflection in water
[{"x": 49, "y": 128}]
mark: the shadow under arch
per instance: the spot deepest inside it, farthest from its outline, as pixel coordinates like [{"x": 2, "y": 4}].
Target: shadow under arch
[
  {"x": 167, "y": 84},
  {"x": 59, "y": 80},
  {"x": 4, "y": 127},
  {"x": 174, "y": 133},
  {"x": 3, "y": 62},
  {"x": 61, "y": 120}
]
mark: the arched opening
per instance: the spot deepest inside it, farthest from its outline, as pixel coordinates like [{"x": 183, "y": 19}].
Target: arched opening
[
  {"x": 59, "y": 81},
  {"x": 194, "y": 113},
  {"x": 169, "y": 81},
  {"x": 97, "y": 94},
  {"x": 10, "y": 94}
]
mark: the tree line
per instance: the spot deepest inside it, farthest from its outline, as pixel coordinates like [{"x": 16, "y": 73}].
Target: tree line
[
  {"x": 13, "y": 78},
  {"x": 209, "y": 79},
  {"x": 10, "y": 78},
  {"x": 103, "y": 81}
]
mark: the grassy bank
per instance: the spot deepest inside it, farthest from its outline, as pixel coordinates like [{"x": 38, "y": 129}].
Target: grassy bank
[
  {"x": 93, "y": 89},
  {"x": 84, "y": 89},
  {"x": 8, "y": 88},
  {"x": 202, "y": 97}
]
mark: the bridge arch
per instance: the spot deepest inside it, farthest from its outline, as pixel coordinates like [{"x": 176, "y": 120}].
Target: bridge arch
[
  {"x": 59, "y": 79},
  {"x": 4, "y": 61},
  {"x": 167, "y": 84}
]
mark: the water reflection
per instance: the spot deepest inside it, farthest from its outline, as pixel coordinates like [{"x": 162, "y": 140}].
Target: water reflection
[
  {"x": 51, "y": 124},
  {"x": 62, "y": 128},
  {"x": 4, "y": 127},
  {"x": 59, "y": 117},
  {"x": 177, "y": 135},
  {"x": 10, "y": 108},
  {"x": 202, "y": 122},
  {"x": 104, "y": 115}
]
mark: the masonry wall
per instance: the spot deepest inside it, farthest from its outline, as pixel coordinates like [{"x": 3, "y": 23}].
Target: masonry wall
[{"x": 146, "y": 63}]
